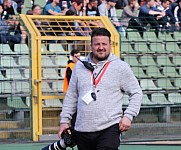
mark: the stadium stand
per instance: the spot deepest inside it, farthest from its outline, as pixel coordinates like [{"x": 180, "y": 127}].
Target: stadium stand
[{"x": 155, "y": 62}]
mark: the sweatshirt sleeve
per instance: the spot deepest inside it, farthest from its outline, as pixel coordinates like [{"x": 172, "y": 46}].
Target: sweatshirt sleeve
[
  {"x": 70, "y": 100},
  {"x": 132, "y": 88}
]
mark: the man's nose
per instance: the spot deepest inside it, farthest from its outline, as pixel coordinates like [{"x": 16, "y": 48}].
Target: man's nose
[{"x": 100, "y": 46}]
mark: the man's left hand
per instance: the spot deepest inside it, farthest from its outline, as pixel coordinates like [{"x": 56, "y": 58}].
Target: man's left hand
[{"x": 124, "y": 124}]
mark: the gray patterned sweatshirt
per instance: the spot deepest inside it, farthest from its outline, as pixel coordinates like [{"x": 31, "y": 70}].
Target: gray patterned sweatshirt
[{"x": 106, "y": 110}]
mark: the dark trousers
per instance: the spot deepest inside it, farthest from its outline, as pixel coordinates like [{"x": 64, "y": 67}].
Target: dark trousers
[
  {"x": 107, "y": 139},
  {"x": 5, "y": 38}
]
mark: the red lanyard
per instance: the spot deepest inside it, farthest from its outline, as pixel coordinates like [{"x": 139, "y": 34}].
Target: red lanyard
[{"x": 101, "y": 72}]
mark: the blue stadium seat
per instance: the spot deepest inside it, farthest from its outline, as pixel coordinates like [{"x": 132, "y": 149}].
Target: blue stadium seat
[
  {"x": 146, "y": 101},
  {"x": 52, "y": 103},
  {"x": 165, "y": 84},
  {"x": 147, "y": 60},
  {"x": 170, "y": 72},
  {"x": 176, "y": 60},
  {"x": 15, "y": 74},
  {"x": 154, "y": 72},
  {"x": 132, "y": 60},
  {"x": 8, "y": 61},
  {"x": 23, "y": 87},
  {"x": 57, "y": 86},
  {"x": 5, "y": 49},
  {"x": 148, "y": 84},
  {"x": 164, "y": 60},
  {"x": 51, "y": 73},
  {"x": 21, "y": 49},
  {"x": 159, "y": 98},
  {"x": 139, "y": 73},
  {"x": 174, "y": 98}
]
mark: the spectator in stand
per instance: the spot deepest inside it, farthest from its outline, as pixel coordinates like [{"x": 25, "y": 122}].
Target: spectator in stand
[
  {"x": 53, "y": 8},
  {"x": 19, "y": 4},
  {"x": 92, "y": 10},
  {"x": 8, "y": 13},
  {"x": 83, "y": 10},
  {"x": 141, "y": 2},
  {"x": 63, "y": 4},
  {"x": 149, "y": 14},
  {"x": 107, "y": 8},
  {"x": 5, "y": 36},
  {"x": 158, "y": 4},
  {"x": 177, "y": 15},
  {"x": 76, "y": 6},
  {"x": 131, "y": 10},
  {"x": 36, "y": 10},
  {"x": 169, "y": 19}
]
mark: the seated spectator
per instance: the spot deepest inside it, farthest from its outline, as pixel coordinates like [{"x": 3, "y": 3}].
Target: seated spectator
[
  {"x": 76, "y": 6},
  {"x": 63, "y": 4},
  {"x": 19, "y": 5},
  {"x": 107, "y": 8},
  {"x": 130, "y": 11},
  {"x": 158, "y": 4},
  {"x": 36, "y": 10},
  {"x": 169, "y": 20},
  {"x": 8, "y": 12},
  {"x": 92, "y": 10},
  {"x": 177, "y": 15},
  {"x": 149, "y": 14},
  {"x": 72, "y": 28},
  {"x": 53, "y": 8},
  {"x": 5, "y": 36},
  {"x": 83, "y": 10}
]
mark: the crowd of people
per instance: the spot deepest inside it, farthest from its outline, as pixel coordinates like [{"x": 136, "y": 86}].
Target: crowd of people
[{"x": 162, "y": 15}]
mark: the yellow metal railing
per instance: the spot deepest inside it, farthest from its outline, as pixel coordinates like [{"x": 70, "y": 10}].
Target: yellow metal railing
[{"x": 52, "y": 38}]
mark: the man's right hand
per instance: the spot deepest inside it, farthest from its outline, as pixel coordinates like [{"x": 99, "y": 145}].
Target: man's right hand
[{"x": 63, "y": 127}]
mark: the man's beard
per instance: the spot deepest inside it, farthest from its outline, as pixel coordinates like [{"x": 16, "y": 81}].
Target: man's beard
[{"x": 101, "y": 58}]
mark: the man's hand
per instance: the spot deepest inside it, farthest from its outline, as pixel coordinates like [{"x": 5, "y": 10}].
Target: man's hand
[
  {"x": 124, "y": 124},
  {"x": 117, "y": 23},
  {"x": 63, "y": 127}
]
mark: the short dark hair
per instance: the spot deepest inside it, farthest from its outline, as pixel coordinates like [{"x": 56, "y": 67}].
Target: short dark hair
[
  {"x": 100, "y": 32},
  {"x": 74, "y": 51},
  {"x": 70, "y": 13},
  {"x": 34, "y": 6},
  {"x": 29, "y": 12}
]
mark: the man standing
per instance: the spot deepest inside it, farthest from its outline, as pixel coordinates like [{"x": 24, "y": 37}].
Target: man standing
[
  {"x": 71, "y": 63},
  {"x": 96, "y": 94}
]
